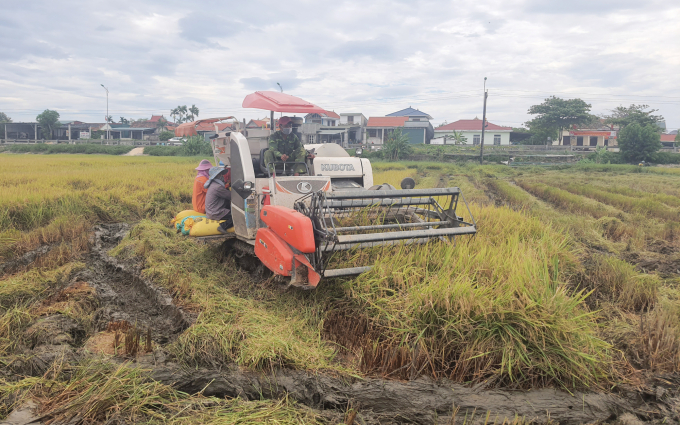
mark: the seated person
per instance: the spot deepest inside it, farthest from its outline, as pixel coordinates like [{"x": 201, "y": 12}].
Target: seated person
[
  {"x": 227, "y": 176},
  {"x": 218, "y": 199},
  {"x": 198, "y": 197},
  {"x": 284, "y": 146}
]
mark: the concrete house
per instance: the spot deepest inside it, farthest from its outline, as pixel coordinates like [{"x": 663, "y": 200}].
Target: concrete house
[
  {"x": 356, "y": 123},
  {"x": 330, "y": 127},
  {"x": 472, "y": 131},
  {"x": 257, "y": 124},
  {"x": 417, "y": 125},
  {"x": 378, "y": 129},
  {"x": 597, "y": 135},
  {"x": 329, "y": 119}
]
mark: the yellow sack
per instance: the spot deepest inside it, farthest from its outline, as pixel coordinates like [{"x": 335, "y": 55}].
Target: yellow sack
[
  {"x": 207, "y": 227},
  {"x": 186, "y": 213}
]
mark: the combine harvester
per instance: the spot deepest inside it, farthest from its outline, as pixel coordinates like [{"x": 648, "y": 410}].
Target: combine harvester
[{"x": 294, "y": 224}]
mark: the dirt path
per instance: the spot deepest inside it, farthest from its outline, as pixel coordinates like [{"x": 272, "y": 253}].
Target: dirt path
[{"x": 135, "y": 152}]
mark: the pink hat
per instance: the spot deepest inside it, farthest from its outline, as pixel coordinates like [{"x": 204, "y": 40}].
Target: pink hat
[{"x": 204, "y": 165}]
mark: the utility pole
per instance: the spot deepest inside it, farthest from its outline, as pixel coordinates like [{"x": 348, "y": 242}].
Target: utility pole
[
  {"x": 481, "y": 148},
  {"x": 106, "y": 119}
]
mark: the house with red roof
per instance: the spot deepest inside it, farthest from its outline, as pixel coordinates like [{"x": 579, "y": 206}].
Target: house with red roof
[
  {"x": 328, "y": 119},
  {"x": 378, "y": 129},
  {"x": 668, "y": 140},
  {"x": 472, "y": 131},
  {"x": 413, "y": 123},
  {"x": 264, "y": 124}
]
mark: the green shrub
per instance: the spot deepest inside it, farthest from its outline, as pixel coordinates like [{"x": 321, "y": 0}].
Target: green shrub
[
  {"x": 163, "y": 150},
  {"x": 196, "y": 145},
  {"x": 164, "y": 136},
  {"x": 63, "y": 148}
]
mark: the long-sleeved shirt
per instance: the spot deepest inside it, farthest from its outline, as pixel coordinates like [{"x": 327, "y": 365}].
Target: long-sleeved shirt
[
  {"x": 215, "y": 208},
  {"x": 198, "y": 198},
  {"x": 280, "y": 144}
]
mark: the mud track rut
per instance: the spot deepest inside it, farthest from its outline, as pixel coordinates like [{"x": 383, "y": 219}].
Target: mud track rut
[{"x": 124, "y": 295}]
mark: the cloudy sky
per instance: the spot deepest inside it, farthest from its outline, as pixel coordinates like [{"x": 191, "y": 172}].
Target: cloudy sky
[{"x": 373, "y": 57}]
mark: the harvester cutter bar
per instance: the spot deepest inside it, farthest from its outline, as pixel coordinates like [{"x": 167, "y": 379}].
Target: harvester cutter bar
[
  {"x": 406, "y": 234},
  {"x": 391, "y": 226},
  {"x": 382, "y": 202},
  {"x": 390, "y": 193}
]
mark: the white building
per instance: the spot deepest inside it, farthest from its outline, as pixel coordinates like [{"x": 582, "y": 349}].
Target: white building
[{"x": 472, "y": 131}]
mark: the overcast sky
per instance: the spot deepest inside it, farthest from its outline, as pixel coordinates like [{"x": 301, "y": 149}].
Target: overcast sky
[{"x": 373, "y": 57}]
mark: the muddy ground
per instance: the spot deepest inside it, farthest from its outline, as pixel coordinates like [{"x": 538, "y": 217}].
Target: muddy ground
[{"x": 117, "y": 294}]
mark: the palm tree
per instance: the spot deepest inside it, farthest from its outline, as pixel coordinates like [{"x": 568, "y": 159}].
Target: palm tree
[
  {"x": 457, "y": 137},
  {"x": 173, "y": 113},
  {"x": 194, "y": 112},
  {"x": 160, "y": 125},
  {"x": 182, "y": 113}
]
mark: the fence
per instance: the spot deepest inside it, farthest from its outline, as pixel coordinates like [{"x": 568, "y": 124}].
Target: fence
[{"x": 123, "y": 142}]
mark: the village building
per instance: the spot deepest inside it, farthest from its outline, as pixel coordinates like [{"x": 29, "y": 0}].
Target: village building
[
  {"x": 330, "y": 127},
  {"x": 261, "y": 124},
  {"x": 668, "y": 140},
  {"x": 472, "y": 131},
  {"x": 599, "y": 134},
  {"x": 378, "y": 129},
  {"x": 413, "y": 123}
]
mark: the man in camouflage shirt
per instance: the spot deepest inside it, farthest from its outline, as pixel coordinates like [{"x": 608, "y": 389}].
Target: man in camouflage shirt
[{"x": 286, "y": 147}]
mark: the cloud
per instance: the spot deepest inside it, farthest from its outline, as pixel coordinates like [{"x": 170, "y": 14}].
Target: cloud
[
  {"x": 374, "y": 57},
  {"x": 288, "y": 80},
  {"x": 205, "y": 28},
  {"x": 381, "y": 48}
]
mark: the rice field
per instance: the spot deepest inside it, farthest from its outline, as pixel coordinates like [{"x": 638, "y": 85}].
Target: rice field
[{"x": 570, "y": 283}]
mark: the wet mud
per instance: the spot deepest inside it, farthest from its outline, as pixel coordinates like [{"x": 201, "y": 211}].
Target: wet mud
[
  {"x": 114, "y": 291},
  {"x": 125, "y": 296},
  {"x": 424, "y": 401}
]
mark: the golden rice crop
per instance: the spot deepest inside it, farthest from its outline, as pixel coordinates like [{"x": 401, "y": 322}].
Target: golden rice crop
[{"x": 495, "y": 309}]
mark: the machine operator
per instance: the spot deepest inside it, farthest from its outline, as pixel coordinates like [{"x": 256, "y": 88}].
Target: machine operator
[{"x": 284, "y": 146}]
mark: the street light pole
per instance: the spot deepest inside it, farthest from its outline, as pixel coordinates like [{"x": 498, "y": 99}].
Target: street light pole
[
  {"x": 481, "y": 148},
  {"x": 106, "y": 118}
]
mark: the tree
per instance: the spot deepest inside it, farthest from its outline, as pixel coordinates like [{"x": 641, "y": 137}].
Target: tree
[
  {"x": 180, "y": 112},
  {"x": 161, "y": 123},
  {"x": 677, "y": 138},
  {"x": 457, "y": 137},
  {"x": 4, "y": 119},
  {"x": 623, "y": 116},
  {"x": 540, "y": 134},
  {"x": 556, "y": 114},
  {"x": 164, "y": 136},
  {"x": 124, "y": 120},
  {"x": 639, "y": 143},
  {"x": 49, "y": 121},
  {"x": 193, "y": 112},
  {"x": 396, "y": 146},
  {"x": 109, "y": 118},
  {"x": 196, "y": 145}
]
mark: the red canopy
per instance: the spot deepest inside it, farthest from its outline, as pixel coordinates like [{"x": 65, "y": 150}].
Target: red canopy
[
  {"x": 189, "y": 128},
  {"x": 280, "y": 102}
]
